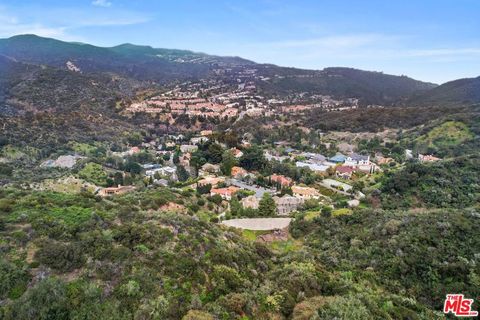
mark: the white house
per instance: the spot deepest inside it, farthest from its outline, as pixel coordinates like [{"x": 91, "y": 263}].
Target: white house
[{"x": 355, "y": 160}]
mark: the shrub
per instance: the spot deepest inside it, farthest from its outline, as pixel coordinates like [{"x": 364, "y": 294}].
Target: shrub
[{"x": 62, "y": 257}]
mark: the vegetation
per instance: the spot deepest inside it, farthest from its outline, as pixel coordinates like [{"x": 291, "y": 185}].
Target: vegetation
[
  {"x": 443, "y": 184},
  {"x": 118, "y": 262},
  {"x": 161, "y": 252}
]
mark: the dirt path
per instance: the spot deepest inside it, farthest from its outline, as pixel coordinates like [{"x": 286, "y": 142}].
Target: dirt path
[{"x": 258, "y": 223}]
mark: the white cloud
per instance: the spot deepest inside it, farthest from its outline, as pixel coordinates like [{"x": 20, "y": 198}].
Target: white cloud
[
  {"x": 102, "y": 3},
  {"x": 10, "y": 26},
  {"x": 62, "y": 24}
]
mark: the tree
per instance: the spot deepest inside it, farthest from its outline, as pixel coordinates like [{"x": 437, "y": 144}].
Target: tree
[
  {"x": 228, "y": 161},
  {"x": 326, "y": 211},
  {"x": 133, "y": 167},
  {"x": 214, "y": 153},
  {"x": 204, "y": 189},
  {"x": 267, "y": 206},
  {"x": 94, "y": 173},
  {"x": 235, "y": 207},
  {"x": 253, "y": 159},
  {"x": 47, "y": 300},
  {"x": 176, "y": 157},
  {"x": 118, "y": 178},
  {"x": 182, "y": 173}
]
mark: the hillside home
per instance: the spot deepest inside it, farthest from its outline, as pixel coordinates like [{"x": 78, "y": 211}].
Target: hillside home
[
  {"x": 105, "y": 192},
  {"x": 355, "y": 159},
  {"x": 283, "y": 181},
  {"x": 250, "y": 202},
  {"x": 239, "y": 172},
  {"x": 188, "y": 148},
  {"x": 344, "y": 172},
  {"x": 170, "y": 172},
  {"x": 236, "y": 153},
  {"x": 338, "y": 158},
  {"x": 205, "y": 133},
  {"x": 198, "y": 140},
  {"x": 213, "y": 181},
  {"x": 305, "y": 192},
  {"x": 209, "y": 169},
  {"x": 225, "y": 193},
  {"x": 427, "y": 158},
  {"x": 319, "y": 168},
  {"x": 287, "y": 204}
]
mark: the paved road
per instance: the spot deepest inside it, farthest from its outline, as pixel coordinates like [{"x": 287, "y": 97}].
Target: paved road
[
  {"x": 259, "y": 191},
  {"x": 258, "y": 223}
]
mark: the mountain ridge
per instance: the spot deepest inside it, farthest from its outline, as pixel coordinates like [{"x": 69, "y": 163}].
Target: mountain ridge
[{"x": 166, "y": 65}]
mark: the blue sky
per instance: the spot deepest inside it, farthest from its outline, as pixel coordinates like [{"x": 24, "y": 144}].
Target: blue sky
[{"x": 431, "y": 40}]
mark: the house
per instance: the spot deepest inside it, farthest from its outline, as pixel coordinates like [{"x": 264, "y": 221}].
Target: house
[
  {"x": 427, "y": 158},
  {"x": 250, "y": 202},
  {"x": 188, "y": 148},
  {"x": 170, "y": 172},
  {"x": 353, "y": 203},
  {"x": 344, "y": 172},
  {"x": 236, "y": 153},
  {"x": 133, "y": 150},
  {"x": 238, "y": 172},
  {"x": 150, "y": 166},
  {"x": 312, "y": 166},
  {"x": 184, "y": 159},
  {"x": 283, "y": 181},
  {"x": 246, "y": 144},
  {"x": 208, "y": 169},
  {"x": 105, "y": 192},
  {"x": 271, "y": 157},
  {"x": 205, "y": 133},
  {"x": 305, "y": 192},
  {"x": 213, "y": 181},
  {"x": 225, "y": 193},
  {"x": 338, "y": 158},
  {"x": 287, "y": 204},
  {"x": 318, "y": 158},
  {"x": 198, "y": 140},
  {"x": 355, "y": 160}
]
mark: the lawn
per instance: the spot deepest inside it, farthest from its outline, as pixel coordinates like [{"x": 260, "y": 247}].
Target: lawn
[{"x": 341, "y": 212}]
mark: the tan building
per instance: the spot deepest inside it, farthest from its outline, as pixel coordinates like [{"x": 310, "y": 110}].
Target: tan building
[
  {"x": 287, "y": 204},
  {"x": 205, "y": 133},
  {"x": 250, "y": 202},
  {"x": 428, "y": 158},
  {"x": 111, "y": 191},
  {"x": 213, "y": 181},
  {"x": 305, "y": 192},
  {"x": 239, "y": 172},
  {"x": 225, "y": 193}
]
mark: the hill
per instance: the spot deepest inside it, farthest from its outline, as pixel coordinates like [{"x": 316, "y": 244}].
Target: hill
[
  {"x": 453, "y": 93},
  {"x": 167, "y": 65},
  {"x": 82, "y": 257},
  {"x": 370, "y": 87}
]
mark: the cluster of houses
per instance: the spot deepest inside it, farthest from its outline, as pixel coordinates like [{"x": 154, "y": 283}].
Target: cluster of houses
[{"x": 343, "y": 165}]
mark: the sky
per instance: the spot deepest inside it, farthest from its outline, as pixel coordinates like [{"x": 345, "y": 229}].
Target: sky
[{"x": 429, "y": 40}]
